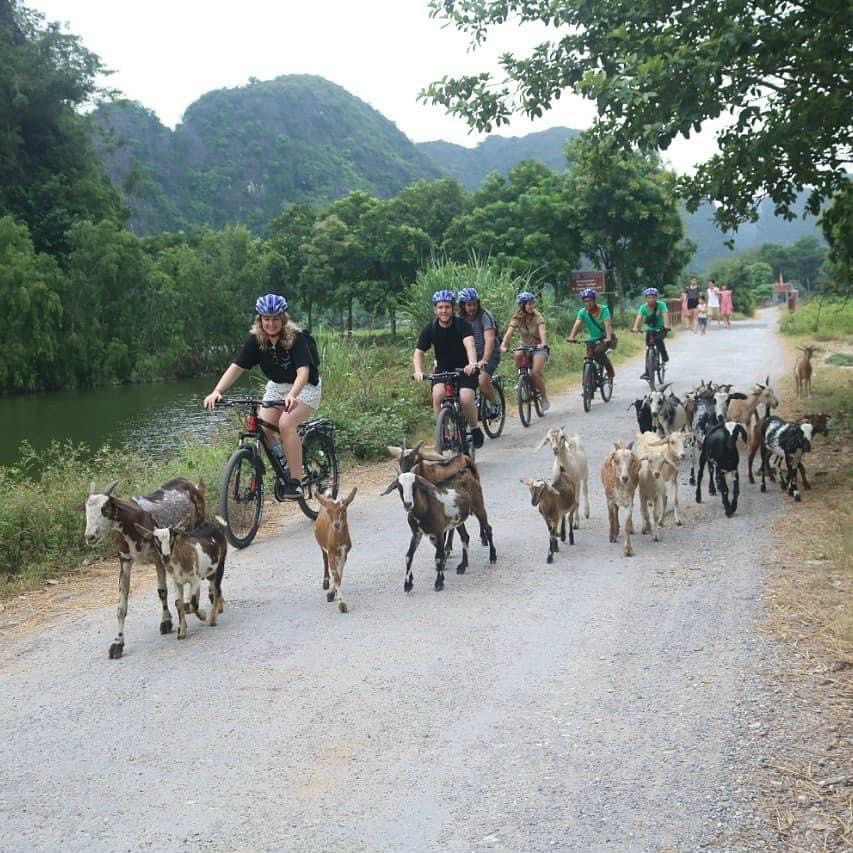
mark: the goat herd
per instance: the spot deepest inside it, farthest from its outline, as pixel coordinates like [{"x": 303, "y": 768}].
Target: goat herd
[{"x": 440, "y": 493}]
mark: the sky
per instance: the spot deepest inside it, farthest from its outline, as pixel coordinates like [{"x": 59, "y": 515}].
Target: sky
[{"x": 167, "y": 53}]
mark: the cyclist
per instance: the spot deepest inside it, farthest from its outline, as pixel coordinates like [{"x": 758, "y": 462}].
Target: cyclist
[
  {"x": 485, "y": 338},
  {"x": 531, "y": 325},
  {"x": 596, "y": 319},
  {"x": 275, "y": 345},
  {"x": 654, "y": 318},
  {"x": 453, "y": 341}
]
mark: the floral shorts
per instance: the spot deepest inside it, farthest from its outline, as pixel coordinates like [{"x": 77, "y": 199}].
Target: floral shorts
[{"x": 310, "y": 394}]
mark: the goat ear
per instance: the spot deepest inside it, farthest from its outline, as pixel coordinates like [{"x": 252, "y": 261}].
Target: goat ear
[
  {"x": 391, "y": 487},
  {"x": 543, "y": 442},
  {"x": 324, "y": 500},
  {"x": 81, "y": 507},
  {"x": 110, "y": 486},
  {"x": 348, "y": 499},
  {"x": 630, "y": 445},
  {"x": 395, "y": 452},
  {"x": 526, "y": 481}
]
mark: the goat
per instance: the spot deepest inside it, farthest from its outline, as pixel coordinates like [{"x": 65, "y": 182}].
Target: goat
[
  {"x": 569, "y": 456},
  {"x": 556, "y": 501},
  {"x": 189, "y": 557},
  {"x": 332, "y": 534},
  {"x": 672, "y": 449},
  {"x": 819, "y": 422},
  {"x": 745, "y": 411},
  {"x": 652, "y": 489},
  {"x": 166, "y": 506},
  {"x": 644, "y": 413},
  {"x": 719, "y": 451},
  {"x": 668, "y": 412},
  {"x": 619, "y": 473},
  {"x": 803, "y": 371},
  {"x": 711, "y": 408},
  {"x": 436, "y": 509},
  {"x": 786, "y": 443}
]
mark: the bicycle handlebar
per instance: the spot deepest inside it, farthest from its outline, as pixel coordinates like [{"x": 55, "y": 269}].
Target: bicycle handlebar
[
  {"x": 442, "y": 376},
  {"x": 248, "y": 401}
]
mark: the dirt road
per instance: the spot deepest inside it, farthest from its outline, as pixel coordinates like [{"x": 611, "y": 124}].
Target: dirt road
[{"x": 599, "y": 703}]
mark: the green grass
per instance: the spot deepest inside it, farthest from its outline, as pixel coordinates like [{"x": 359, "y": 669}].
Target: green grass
[
  {"x": 841, "y": 359},
  {"x": 822, "y": 319}
]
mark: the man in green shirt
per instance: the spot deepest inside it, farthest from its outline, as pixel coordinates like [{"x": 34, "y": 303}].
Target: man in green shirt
[
  {"x": 596, "y": 319},
  {"x": 653, "y": 317}
]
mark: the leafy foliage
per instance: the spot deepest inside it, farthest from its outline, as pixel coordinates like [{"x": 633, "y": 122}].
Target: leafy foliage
[{"x": 781, "y": 71}]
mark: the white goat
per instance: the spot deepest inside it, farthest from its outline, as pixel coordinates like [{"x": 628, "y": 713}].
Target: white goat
[{"x": 569, "y": 456}]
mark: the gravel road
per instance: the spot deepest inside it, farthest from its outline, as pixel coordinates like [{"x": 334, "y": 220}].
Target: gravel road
[{"x": 596, "y": 704}]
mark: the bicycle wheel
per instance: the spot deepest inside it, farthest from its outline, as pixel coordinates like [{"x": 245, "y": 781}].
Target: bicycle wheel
[
  {"x": 322, "y": 473},
  {"x": 606, "y": 387},
  {"x": 493, "y": 423},
  {"x": 524, "y": 396},
  {"x": 241, "y": 496},
  {"x": 661, "y": 368},
  {"x": 537, "y": 399},
  {"x": 588, "y": 385},
  {"x": 651, "y": 365},
  {"x": 447, "y": 434}
]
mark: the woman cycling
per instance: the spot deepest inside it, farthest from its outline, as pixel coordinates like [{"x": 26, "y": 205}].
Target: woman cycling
[
  {"x": 531, "y": 325},
  {"x": 654, "y": 320},
  {"x": 599, "y": 330},
  {"x": 275, "y": 345}
]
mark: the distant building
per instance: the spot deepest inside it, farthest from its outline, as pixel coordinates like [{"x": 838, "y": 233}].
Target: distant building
[{"x": 783, "y": 291}]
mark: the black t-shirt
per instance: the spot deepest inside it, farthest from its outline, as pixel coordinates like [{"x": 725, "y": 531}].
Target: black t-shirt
[
  {"x": 449, "y": 350},
  {"x": 276, "y": 363}
]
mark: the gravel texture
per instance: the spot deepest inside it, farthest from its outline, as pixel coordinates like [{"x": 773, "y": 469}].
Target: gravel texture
[{"x": 601, "y": 703}]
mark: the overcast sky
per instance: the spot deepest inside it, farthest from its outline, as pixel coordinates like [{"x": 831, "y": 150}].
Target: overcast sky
[{"x": 167, "y": 53}]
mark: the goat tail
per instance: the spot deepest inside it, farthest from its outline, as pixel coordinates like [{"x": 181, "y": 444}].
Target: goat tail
[{"x": 220, "y": 522}]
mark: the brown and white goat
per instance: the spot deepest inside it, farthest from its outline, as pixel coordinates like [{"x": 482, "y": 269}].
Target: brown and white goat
[
  {"x": 189, "y": 557},
  {"x": 435, "y": 510},
  {"x": 166, "y": 506},
  {"x": 803, "y": 371},
  {"x": 569, "y": 456},
  {"x": 672, "y": 451},
  {"x": 331, "y": 530},
  {"x": 556, "y": 500},
  {"x": 619, "y": 475},
  {"x": 745, "y": 412}
]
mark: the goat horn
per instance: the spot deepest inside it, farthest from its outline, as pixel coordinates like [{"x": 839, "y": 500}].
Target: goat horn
[
  {"x": 92, "y": 488},
  {"x": 110, "y": 486}
]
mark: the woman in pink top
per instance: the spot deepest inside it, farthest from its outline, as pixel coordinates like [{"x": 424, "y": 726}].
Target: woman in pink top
[{"x": 726, "y": 306}]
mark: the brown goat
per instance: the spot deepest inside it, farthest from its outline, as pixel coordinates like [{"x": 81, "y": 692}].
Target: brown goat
[
  {"x": 620, "y": 474},
  {"x": 556, "y": 501},
  {"x": 803, "y": 371},
  {"x": 332, "y": 534}
]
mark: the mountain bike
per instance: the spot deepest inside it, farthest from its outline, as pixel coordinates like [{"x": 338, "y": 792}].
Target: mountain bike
[
  {"x": 451, "y": 426},
  {"x": 492, "y": 414},
  {"x": 593, "y": 377},
  {"x": 241, "y": 489},
  {"x": 527, "y": 392},
  {"x": 655, "y": 365}
]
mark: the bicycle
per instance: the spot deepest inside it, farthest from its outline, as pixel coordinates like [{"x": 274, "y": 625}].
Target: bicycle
[
  {"x": 451, "y": 426},
  {"x": 527, "y": 392},
  {"x": 241, "y": 488},
  {"x": 593, "y": 376},
  {"x": 492, "y": 414},
  {"x": 655, "y": 365}
]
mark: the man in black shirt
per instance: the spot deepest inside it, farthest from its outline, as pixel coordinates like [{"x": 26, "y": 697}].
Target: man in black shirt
[{"x": 452, "y": 339}]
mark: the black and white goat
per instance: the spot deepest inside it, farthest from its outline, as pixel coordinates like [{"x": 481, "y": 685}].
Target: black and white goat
[
  {"x": 719, "y": 451},
  {"x": 784, "y": 443},
  {"x": 710, "y": 408},
  {"x": 668, "y": 412},
  {"x": 436, "y": 510},
  {"x": 168, "y": 505}
]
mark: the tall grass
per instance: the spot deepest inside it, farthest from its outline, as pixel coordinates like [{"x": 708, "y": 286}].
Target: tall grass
[{"x": 823, "y": 319}]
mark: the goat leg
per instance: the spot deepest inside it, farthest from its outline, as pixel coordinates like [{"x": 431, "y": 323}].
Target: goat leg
[
  {"x": 463, "y": 535},
  {"x": 117, "y": 645},
  {"x": 162, "y": 592}
]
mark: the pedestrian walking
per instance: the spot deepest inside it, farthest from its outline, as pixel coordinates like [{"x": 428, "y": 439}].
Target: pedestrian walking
[
  {"x": 726, "y": 304},
  {"x": 713, "y": 301}
]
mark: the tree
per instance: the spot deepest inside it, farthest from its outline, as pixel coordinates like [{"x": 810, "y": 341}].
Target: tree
[
  {"x": 781, "y": 69},
  {"x": 628, "y": 215},
  {"x": 837, "y": 225}
]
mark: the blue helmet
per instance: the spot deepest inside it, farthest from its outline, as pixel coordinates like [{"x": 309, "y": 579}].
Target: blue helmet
[
  {"x": 469, "y": 294},
  {"x": 270, "y": 305},
  {"x": 589, "y": 293},
  {"x": 650, "y": 291},
  {"x": 525, "y": 296},
  {"x": 443, "y": 296}
]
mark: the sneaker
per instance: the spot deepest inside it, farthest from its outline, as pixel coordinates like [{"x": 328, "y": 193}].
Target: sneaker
[
  {"x": 546, "y": 404},
  {"x": 478, "y": 437},
  {"x": 292, "y": 490},
  {"x": 644, "y": 376}
]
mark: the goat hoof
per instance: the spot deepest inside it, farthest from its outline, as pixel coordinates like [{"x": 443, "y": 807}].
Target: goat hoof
[
  {"x": 460, "y": 569},
  {"x": 342, "y": 607},
  {"x": 439, "y": 584},
  {"x": 692, "y": 481},
  {"x": 407, "y": 585},
  {"x": 116, "y": 650},
  {"x": 550, "y": 558},
  {"x": 330, "y": 596},
  {"x": 797, "y": 498},
  {"x": 166, "y": 626}
]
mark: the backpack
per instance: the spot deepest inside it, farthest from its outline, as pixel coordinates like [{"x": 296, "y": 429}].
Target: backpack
[{"x": 314, "y": 352}]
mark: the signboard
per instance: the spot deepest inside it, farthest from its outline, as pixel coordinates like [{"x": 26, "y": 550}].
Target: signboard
[{"x": 583, "y": 280}]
